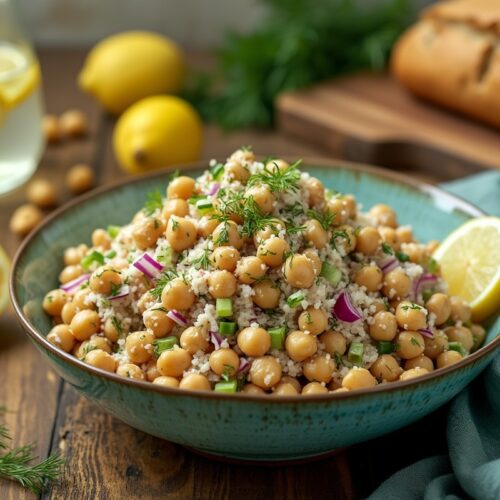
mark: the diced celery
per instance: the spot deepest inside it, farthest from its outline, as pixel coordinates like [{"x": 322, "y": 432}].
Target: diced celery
[
  {"x": 224, "y": 308},
  {"x": 355, "y": 354},
  {"x": 330, "y": 273},
  {"x": 277, "y": 337},
  {"x": 228, "y": 387}
]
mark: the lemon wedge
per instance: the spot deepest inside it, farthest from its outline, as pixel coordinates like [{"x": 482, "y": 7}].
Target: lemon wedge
[
  {"x": 19, "y": 76},
  {"x": 4, "y": 278},
  {"x": 469, "y": 259}
]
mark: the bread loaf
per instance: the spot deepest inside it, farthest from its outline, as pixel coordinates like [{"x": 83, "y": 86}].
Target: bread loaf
[{"x": 452, "y": 57}]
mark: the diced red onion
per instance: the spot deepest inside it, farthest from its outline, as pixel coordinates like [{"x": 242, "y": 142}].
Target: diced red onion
[
  {"x": 427, "y": 332},
  {"x": 214, "y": 187},
  {"x": 74, "y": 285},
  {"x": 423, "y": 281},
  {"x": 177, "y": 317},
  {"x": 344, "y": 309},
  {"x": 147, "y": 265},
  {"x": 123, "y": 292},
  {"x": 388, "y": 264},
  {"x": 244, "y": 365},
  {"x": 216, "y": 339}
]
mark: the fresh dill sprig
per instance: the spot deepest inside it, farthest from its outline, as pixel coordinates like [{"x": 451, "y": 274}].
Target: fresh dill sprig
[
  {"x": 154, "y": 201},
  {"x": 291, "y": 228},
  {"x": 203, "y": 261},
  {"x": 254, "y": 220},
  {"x": 163, "y": 279},
  {"x": 324, "y": 218},
  {"x": 286, "y": 179}
]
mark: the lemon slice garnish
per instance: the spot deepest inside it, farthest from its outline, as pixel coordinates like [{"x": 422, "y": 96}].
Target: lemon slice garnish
[
  {"x": 469, "y": 259},
  {"x": 4, "y": 279}
]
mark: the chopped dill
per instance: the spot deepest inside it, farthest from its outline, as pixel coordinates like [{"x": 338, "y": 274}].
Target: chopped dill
[
  {"x": 176, "y": 173},
  {"x": 387, "y": 249},
  {"x": 341, "y": 233},
  {"x": 117, "y": 324},
  {"x": 203, "y": 261},
  {"x": 286, "y": 179},
  {"x": 291, "y": 228},
  {"x": 324, "y": 218},
  {"x": 163, "y": 279},
  {"x": 154, "y": 201}
]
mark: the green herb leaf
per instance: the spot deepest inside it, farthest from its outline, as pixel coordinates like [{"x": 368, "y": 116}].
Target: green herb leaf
[{"x": 154, "y": 201}]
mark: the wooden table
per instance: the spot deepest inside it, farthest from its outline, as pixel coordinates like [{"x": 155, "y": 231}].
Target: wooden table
[{"x": 106, "y": 458}]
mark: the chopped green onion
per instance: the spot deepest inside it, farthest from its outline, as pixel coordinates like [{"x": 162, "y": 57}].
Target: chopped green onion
[
  {"x": 196, "y": 198},
  {"x": 385, "y": 347},
  {"x": 92, "y": 257},
  {"x": 457, "y": 346},
  {"x": 224, "y": 308},
  {"x": 277, "y": 337},
  {"x": 228, "y": 387},
  {"x": 217, "y": 171},
  {"x": 227, "y": 328},
  {"x": 355, "y": 354},
  {"x": 113, "y": 231},
  {"x": 204, "y": 205},
  {"x": 164, "y": 344},
  {"x": 295, "y": 299},
  {"x": 330, "y": 273},
  {"x": 111, "y": 254}
]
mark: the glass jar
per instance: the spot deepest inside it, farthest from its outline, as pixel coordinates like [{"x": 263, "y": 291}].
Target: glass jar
[{"x": 21, "y": 110}]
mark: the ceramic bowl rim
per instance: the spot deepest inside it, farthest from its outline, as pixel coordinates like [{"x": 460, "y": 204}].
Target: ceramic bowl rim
[{"x": 387, "y": 175}]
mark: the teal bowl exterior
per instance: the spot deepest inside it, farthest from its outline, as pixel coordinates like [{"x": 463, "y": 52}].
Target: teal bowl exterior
[{"x": 257, "y": 428}]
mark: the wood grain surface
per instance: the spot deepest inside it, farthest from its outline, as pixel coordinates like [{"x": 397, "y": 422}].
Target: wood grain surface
[
  {"x": 105, "y": 458},
  {"x": 372, "y": 119}
]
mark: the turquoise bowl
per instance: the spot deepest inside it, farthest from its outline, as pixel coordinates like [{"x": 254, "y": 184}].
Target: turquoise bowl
[{"x": 252, "y": 428}]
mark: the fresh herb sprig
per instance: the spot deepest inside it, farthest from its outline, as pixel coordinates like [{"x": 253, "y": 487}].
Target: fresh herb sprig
[
  {"x": 324, "y": 218},
  {"x": 154, "y": 201},
  {"x": 278, "y": 180},
  {"x": 163, "y": 279}
]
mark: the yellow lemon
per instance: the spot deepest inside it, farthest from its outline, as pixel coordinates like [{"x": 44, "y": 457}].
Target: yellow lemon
[
  {"x": 4, "y": 278},
  {"x": 469, "y": 259},
  {"x": 132, "y": 65},
  {"x": 156, "y": 132}
]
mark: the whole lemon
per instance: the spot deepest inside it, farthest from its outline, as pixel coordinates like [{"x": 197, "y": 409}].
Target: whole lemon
[
  {"x": 132, "y": 65},
  {"x": 156, "y": 132}
]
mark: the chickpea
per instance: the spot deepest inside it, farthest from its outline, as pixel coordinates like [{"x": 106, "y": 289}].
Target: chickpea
[
  {"x": 439, "y": 305},
  {"x": 313, "y": 256},
  {"x": 377, "y": 306},
  {"x": 266, "y": 294},
  {"x": 226, "y": 233},
  {"x": 284, "y": 389},
  {"x": 73, "y": 255},
  {"x": 80, "y": 178},
  {"x": 300, "y": 346},
  {"x": 176, "y": 206},
  {"x": 314, "y": 388},
  {"x": 460, "y": 334},
  {"x": 396, "y": 284},
  {"x": 181, "y": 233},
  {"x": 101, "y": 238},
  {"x": 421, "y": 361},
  {"x": 435, "y": 346},
  {"x": 262, "y": 197},
  {"x": 339, "y": 211},
  {"x": 95, "y": 342},
  {"x": 370, "y": 277},
  {"x": 413, "y": 373},
  {"x": 50, "y": 127},
  {"x": 291, "y": 380},
  {"x": 272, "y": 251},
  {"x": 224, "y": 360},
  {"x": 315, "y": 234},
  {"x": 460, "y": 309},
  {"x": 112, "y": 329},
  {"x": 105, "y": 280},
  {"x": 152, "y": 372},
  {"x": 139, "y": 346},
  {"x": 404, "y": 234},
  {"x": 70, "y": 273},
  {"x": 195, "y": 382},
  {"x": 386, "y": 368},
  {"x": 410, "y": 345},
  {"x": 174, "y": 362},
  {"x": 166, "y": 381},
  {"x": 206, "y": 226},
  {"x": 243, "y": 155},
  {"x": 276, "y": 165},
  {"x": 41, "y": 193},
  {"x": 181, "y": 187},
  {"x": 415, "y": 252},
  {"x": 350, "y": 205},
  {"x": 157, "y": 322},
  {"x": 265, "y": 372},
  {"x": 319, "y": 368},
  {"x": 389, "y": 237},
  {"x": 62, "y": 337},
  {"x": 316, "y": 191},
  {"x": 222, "y": 284},
  {"x": 478, "y": 334},
  {"x": 129, "y": 370},
  {"x": 177, "y": 295},
  {"x": 54, "y": 301},
  {"x": 411, "y": 316},
  {"x": 68, "y": 312},
  {"x": 73, "y": 123},
  {"x": 345, "y": 238},
  {"x": 236, "y": 171},
  {"x": 273, "y": 228},
  {"x": 384, "y": 215},
  {"x": 298, "y": 271},
  {"x": 101, "y": 359},
  {"x": 384, "y": 326},
  {"x": 226, "y": 258},
  {"x": 341, "y": 389},
  {"x": 358, "y": 378},
  {"x": 252, "y": 389},
  {"x": 146, "y": 232},
  {"x": 82, "y": 300},
  {"x": 24, "y": 219},
  {"x": 313, "y": 321},
  {"x": 368, "y": 241},
  {"x": 194, "y": 339},
  {"x": 334, "y": 342},
  {"x": 146, "y": 300},
  {"x": 254, "y": 341},
  {"x": 250, "y": 269}
]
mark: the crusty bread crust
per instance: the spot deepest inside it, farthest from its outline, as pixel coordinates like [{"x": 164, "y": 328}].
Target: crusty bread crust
[{"x": 452, "y": 57}]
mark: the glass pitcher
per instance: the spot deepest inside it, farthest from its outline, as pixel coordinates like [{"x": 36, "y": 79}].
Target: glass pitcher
[{"x": 21, "y": 111}]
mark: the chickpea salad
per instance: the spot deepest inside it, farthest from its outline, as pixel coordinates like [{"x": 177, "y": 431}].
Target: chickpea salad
[{"x": 255, "y": 278}]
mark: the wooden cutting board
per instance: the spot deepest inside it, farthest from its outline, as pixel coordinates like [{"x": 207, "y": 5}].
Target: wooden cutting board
[{"x": 371, "y": 119}]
